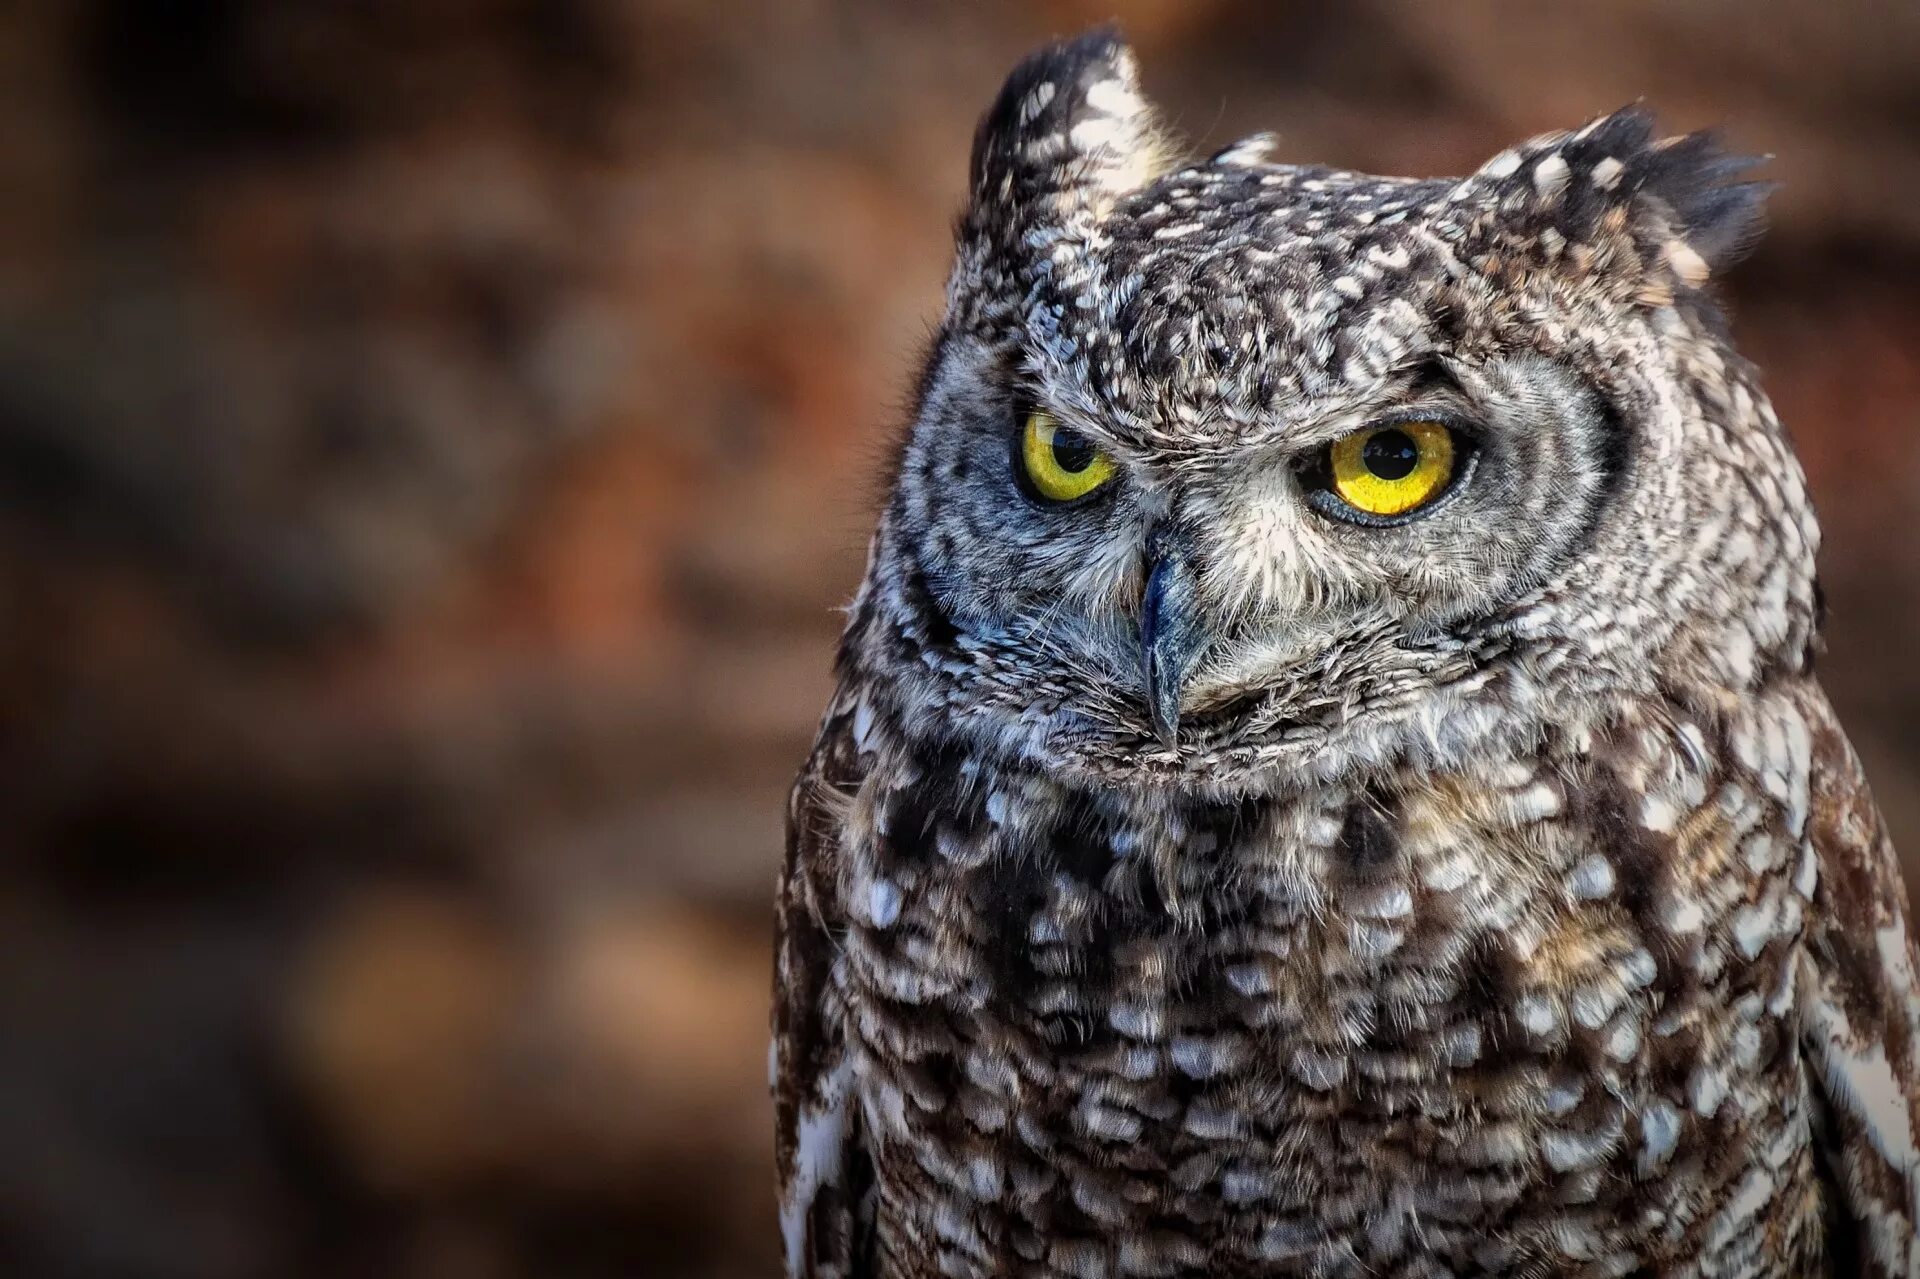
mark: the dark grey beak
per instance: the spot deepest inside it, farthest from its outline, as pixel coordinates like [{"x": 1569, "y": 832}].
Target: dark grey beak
[{"x": 1168, "y": 642}]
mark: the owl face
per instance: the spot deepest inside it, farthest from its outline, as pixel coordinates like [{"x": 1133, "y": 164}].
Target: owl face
[{"x": 1238, "y": 468}]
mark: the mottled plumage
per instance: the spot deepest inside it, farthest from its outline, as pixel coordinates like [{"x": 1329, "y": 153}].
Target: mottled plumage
[{"x": 1486, "y": 892}]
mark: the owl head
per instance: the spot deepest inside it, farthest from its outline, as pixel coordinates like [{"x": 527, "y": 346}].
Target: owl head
[{"x": 1238, "y": 470}]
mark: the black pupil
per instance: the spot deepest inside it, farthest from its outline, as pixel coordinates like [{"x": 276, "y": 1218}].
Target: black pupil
[
  {"x": 1072, "y": 451},
  {"x": 1391, "y": 455}
]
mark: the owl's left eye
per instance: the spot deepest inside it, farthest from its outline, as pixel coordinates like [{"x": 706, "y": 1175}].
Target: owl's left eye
[
  {"x": 1058, "y": 464},
  {"x": 1385, "y": 472}
]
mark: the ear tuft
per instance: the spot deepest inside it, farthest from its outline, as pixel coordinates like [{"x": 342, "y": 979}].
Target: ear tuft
[
  {"x": 1720, "y": 218},
  {"x": 1689, "y": 185},
  {"x": 1067, "y": 136}
]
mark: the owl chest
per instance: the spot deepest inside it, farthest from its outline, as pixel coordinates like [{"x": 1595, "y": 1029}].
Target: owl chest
[
  {"x": 1121, "y": 991},
  {"x": 1349, "y": 1027}
]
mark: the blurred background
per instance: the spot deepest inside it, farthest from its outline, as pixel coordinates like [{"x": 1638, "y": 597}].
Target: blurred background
[{"x": 434, "y": 440}]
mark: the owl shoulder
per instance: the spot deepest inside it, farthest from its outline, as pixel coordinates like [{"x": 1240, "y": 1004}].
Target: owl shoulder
[{"x": 1858, "y": 1003}]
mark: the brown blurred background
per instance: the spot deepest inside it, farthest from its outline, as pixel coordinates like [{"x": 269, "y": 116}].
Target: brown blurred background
[{"x": 434, "y": 438}]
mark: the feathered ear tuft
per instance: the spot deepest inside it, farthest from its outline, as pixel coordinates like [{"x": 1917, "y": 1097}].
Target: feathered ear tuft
[
  {"x": 1068, "y": 135},
  {"x": 1720, "y": 218},
  {"x": 1687, "y": 187}
]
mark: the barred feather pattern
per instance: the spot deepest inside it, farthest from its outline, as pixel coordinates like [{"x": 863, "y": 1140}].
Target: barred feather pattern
[{"x": 1565, "y": 1014}]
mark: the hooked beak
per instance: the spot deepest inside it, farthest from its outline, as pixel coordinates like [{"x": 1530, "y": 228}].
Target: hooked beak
[{"x": 1168, "y": 642}]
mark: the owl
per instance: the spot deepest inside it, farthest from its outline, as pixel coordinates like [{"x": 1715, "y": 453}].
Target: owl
[{"x": 1327, "y": 776}]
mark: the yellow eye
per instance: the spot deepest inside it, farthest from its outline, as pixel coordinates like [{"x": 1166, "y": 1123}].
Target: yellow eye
[
  {"x": 1392, "y": 469},
  {"x": 1060, "y": 464}
]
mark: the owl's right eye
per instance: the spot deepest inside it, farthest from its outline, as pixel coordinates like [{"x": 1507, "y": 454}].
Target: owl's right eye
[
  {"x": 1059, "y": 464},
  {"x": 1389, "y": 472}
]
